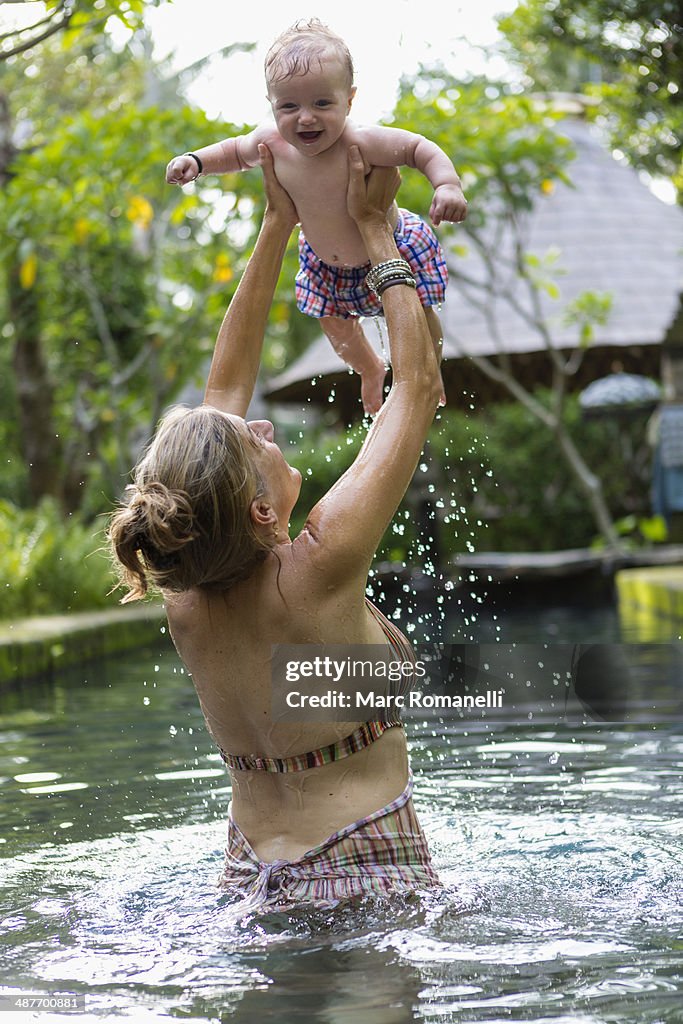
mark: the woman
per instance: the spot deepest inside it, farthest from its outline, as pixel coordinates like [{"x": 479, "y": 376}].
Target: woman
[{"x": 320, "y": 811}]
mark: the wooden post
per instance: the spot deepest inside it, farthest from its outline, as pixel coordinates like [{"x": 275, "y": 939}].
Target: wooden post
[{"x": 672, "y": 380}]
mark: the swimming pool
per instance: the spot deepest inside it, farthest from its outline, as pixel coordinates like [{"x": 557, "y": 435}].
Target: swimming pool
[{"x": 559, "y": 840}]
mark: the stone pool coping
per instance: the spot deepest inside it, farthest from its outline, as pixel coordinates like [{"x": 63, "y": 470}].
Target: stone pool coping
[
  {"x": 651, "y": 601},
  {"x": 37, "y": 647}
]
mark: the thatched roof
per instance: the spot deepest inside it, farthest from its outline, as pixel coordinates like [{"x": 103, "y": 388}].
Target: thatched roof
[{"x": 611, "y": 234}]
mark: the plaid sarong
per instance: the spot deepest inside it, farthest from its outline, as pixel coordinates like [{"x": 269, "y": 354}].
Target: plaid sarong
[
  {"x": 384, "y": 852},
  {"x": 324, "y": 290}
]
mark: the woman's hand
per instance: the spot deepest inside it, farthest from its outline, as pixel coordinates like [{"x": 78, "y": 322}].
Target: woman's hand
[
  {"x": 279, "y": 202},
  {"x": 369, "y": 198}
]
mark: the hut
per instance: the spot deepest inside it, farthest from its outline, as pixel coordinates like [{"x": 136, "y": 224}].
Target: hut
[{"x": 609, "y": 235}]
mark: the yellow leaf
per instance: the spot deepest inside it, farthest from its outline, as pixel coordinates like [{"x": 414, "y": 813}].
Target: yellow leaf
[
  {"x": 547, "y": 187},
  {"x": 107, "y": 415},
  {"x": 140, "y": 211},
  {"x": 280, "y": 312},
  {"x": 81, "y": 230},
  {"x": 28, "y": 271},
  {"x": 181, "y": 209},
  {"x": 222, "y": 271}
]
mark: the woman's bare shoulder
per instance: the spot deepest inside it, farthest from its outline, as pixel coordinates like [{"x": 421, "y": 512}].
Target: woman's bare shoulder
[{"x": 313, "y": 577}]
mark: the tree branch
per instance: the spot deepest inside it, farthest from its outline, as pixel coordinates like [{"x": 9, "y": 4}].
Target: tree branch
[
  {"x": 124, "y": 375},
  {"x": 37, "y": 24},
  {"x": 50, "y": 31},
  {"x": 574, "y": 361},
  {"x": 98, "y": 311},
  {"x": 515, "y": 388}
]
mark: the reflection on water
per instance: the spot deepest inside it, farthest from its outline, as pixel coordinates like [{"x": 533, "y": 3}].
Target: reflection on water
[
  {"x": 537, "y": 623},
  {"x": 559, "y": 841}
]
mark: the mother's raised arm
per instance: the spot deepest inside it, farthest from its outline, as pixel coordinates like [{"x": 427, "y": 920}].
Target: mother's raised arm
[
  {"x": 347, "y": 524},
  {"x": 237, "y": 353}
]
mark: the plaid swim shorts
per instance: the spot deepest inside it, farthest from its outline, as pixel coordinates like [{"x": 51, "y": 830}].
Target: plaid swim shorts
[{"x": 324, "y": 290}]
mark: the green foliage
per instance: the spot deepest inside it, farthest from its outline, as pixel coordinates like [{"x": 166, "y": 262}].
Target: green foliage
[
  {"x": 505, "y": 146},
  {"x": 586, "y": 311},
  {"x": 541, "y": 271},
  {"x": 126, "y": 278},
  {"x": 493, "y": 481},
  {"x": 511, "y": 478},
  {"x": 49, "y": 564},
  {"x": 327, "y": 454},
  {"x": 321, "y": 459},
  {"x": 11, "y": 466},
  {"x": 652, "y": 529},
  {"x": 129, "y": 276},
  {"x": 627, "y": 56},
  {"x": 638, "y": 530}
]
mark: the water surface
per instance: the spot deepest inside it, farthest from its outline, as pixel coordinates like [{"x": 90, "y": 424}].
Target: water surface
[{"x": 559, "y": 840}]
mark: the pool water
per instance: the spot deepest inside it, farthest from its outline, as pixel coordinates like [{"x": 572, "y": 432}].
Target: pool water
[{"x": 559, "y": 841}]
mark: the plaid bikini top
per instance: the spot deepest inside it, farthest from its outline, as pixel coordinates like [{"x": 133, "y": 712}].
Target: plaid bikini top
[{"x": 357, "y": 740}]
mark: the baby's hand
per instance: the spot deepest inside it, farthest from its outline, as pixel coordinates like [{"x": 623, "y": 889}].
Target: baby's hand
[
  {"x": 182, "y": 170},
  {"x": 448, "y": 204}
]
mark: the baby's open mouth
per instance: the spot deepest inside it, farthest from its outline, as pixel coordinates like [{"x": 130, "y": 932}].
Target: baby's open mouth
[{"x": 309, "y": 136}]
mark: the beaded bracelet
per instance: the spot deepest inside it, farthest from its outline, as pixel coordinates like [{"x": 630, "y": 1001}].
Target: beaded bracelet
[{"x": 396, "y": 271}]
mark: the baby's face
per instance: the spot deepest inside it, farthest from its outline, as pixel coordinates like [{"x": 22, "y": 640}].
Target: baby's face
[{"x": 311, "y": 109}]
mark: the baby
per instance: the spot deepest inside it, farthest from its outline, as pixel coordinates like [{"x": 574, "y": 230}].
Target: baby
[{"x": 309, "y": 76}]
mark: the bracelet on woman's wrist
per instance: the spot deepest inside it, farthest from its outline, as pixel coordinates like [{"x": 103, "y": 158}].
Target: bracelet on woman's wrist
[
  {"x": 403, "y": 279},
  {"x": 383, "y": 275}
]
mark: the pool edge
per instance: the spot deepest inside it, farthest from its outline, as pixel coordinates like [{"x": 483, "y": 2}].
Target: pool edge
[{"x": 36, "y": 647}]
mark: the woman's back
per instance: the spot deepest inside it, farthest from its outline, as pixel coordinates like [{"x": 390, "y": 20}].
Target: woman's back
[{"x": 226, "y": 642}]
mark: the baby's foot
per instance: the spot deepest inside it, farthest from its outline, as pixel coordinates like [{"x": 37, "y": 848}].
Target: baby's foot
[{"x": 372, "y": 388}]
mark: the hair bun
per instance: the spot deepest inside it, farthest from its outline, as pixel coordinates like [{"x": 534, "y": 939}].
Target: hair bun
[{"x": 164, "y": 519}]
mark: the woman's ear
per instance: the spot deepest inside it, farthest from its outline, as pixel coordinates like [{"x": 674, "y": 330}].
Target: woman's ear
[{"x": 262, "y": 514}]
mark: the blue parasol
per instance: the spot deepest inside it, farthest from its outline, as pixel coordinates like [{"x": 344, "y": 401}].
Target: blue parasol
[{"x": 620, "y": 394}]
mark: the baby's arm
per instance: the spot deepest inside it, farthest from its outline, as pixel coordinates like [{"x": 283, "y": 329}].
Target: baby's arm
[
  {"x": 395, "y": 147},
  {"x": 236, "y": 154}
]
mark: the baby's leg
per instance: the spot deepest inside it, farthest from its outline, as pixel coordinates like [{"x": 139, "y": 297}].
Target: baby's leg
[
  {"x": 349, "y": 342},
  {"x": 436, "y": 332}
]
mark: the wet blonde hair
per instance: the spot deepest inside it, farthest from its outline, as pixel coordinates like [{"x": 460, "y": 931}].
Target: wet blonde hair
[
  {"x": 186, "y": 519},
  {"x": 298, "y": 47}
]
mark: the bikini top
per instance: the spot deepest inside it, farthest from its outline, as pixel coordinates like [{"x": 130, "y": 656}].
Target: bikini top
[{"x": 357, "y": 740}]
